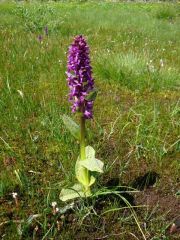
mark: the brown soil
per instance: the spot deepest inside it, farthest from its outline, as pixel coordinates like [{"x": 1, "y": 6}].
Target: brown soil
[{"x": 163, "y": 204}]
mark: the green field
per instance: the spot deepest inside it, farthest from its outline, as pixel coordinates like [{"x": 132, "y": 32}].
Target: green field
[{"x": 135, "y": 55}]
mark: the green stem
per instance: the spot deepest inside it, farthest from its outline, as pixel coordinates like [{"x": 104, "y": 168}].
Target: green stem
[
  {"x": 82, "y": 142},
  {"x": 83, "y": 152}
]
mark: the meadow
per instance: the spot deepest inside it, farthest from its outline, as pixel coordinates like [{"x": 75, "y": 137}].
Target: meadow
[{"x": 135, "y": 56}]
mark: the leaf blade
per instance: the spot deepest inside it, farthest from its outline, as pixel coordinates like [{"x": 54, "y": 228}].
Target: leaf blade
[
  {"x": 93, "y": 165},
  {"x": 75, "y": 191},
  {"x": 73, "y": 127}
]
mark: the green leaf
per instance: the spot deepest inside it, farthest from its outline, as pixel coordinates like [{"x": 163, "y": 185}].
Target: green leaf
[
  {"x": 91, "y": 95},
  {"x": 90, "y": 152},
  {"x": 88, "y": 164},
  {"x": 178, "y": 193},
  {"x": 81, "y": 173},
  {"x": 92, "y": 180},
  {"x": 92, "y": 163},
  {"x": 71, "y": 126},
  {"x": 70, "y": 193}
]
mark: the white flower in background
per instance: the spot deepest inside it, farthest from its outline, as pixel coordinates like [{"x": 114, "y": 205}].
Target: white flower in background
[
  {"x": 14, "y": 195},
  {"x": 161, "y": 63},
  {"x": 150, "y": 66},
  {"x": 20, "y": 93},
  {"x": 57, "y": 210},
  {"x": 54, "y": 204}
]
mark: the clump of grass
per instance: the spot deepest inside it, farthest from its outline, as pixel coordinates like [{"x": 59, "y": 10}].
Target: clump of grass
[
  {"x": 136, "y": 123},
  {"x": 34, "y": 18},
  {"x": 166, "y": 12}
]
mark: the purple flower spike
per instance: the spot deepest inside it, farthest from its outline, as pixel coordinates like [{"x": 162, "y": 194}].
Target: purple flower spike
[
  {"x": 79, "y": 77},
  {"x": 46, "y": 31},
  {"x": 40, "y": 38}
]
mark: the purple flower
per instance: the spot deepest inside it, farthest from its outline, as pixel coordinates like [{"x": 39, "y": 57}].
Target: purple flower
[
  {"x": 40, "y": 38},
  {"x": 79, "y": 77},
  {"x": 46, "y": 31}
]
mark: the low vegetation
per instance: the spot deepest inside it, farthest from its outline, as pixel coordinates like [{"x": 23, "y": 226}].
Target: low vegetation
[{"x": 134, "y": 50}]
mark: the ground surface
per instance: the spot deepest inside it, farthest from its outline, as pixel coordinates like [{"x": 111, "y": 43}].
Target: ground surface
[{"x": 135, "y": 130}]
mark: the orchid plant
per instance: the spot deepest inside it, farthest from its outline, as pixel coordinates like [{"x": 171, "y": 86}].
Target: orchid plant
[{"x": 82, "y": 95}]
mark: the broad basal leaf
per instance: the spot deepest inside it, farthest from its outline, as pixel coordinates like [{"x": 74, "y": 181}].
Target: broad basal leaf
[
  {"x": 90, "y": 152},
  {"x": 81, "y": 173},
  {"x": 70, "y": 193},
  {"x": 71, "y": 126},
  {"x": 92, "y": 180},
  {"x": 92, "y": 163}
]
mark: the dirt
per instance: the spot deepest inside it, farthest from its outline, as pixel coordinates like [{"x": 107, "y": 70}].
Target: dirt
[
  {"x": 164, "y": 207},
  {"x": 164, "y": 203}
]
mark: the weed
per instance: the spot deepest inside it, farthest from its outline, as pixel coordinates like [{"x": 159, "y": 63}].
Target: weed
[{"x": 135, "y": 59}]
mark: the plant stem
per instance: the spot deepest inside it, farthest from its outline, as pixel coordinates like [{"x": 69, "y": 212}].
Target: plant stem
[
  {"x": 83, "y": 153},
  {"x": 82, "y": 141}
]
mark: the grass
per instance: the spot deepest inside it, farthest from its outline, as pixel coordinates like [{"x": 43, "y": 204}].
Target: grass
[{"x": 136, "y": 114}]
